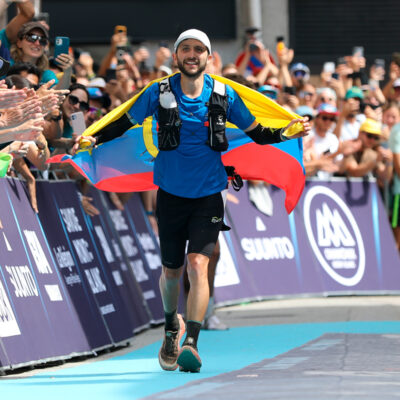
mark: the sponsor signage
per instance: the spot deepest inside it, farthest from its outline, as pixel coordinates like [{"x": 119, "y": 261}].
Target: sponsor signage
[
  {"x": 125, "y": 226},
  {"x": 122, "y": 280},
  {"x": 70, "y": 243},
  {"x": 337, "y": 240}
]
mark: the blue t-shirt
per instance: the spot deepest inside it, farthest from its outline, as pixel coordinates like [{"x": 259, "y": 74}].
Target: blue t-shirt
[
  {"x": 193, "y": 169},
  {"x": 5, "y": 45}
]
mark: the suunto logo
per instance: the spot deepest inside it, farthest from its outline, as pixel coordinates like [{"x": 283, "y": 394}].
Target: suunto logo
[
  {"x": 215, "y": 220},
  {"x": 334, "y": 236}
]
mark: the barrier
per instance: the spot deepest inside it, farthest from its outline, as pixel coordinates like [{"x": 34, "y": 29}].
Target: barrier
[
  {"x": 71, "y": 284},
  {"x": 337, "y": 241}
]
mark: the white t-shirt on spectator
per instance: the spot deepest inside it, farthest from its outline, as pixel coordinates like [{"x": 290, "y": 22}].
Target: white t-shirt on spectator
[
  {"x": 350, "y": 130},
  {"x": 330, "y": 143}
]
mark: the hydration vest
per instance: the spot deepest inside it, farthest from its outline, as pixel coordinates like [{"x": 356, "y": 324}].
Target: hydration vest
[{"x": 169, "y": 121}]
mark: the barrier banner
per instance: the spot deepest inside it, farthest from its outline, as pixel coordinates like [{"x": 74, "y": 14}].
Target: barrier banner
[
  {"x": 30, "y": 293},
  {"x": 123, "y": 279},
  {"x": 344, "y": 233},
  {"x": 336, "y": 241},
  {"x": 232, "y": 270},
  {"x": 138, "y": 221},
  {"x": 264, "y": 244},
  {"x": 100, "y": 283},
  {"x": 62, "y": 220},
  {"x": 125, "y": 226}
]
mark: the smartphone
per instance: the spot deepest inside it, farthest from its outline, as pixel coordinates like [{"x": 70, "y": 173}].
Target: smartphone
[
  {"x": 111, "y": 73},
  {"x": 120, "y": 29},
  {"x": 61, "y": 46},
  {"x": 335, "y": 75},
  {"x": 253, "y": 47},
  {"x": 341, "y": 60},
  {"x": 329, "y": 67},
  {"x": 119, "y": 54},
  {"x": 358, "y": 51},
  {"x": 379, "y": 62},
  {"x": 78, "y": 123},
  {"x": 290, "y": 90}
]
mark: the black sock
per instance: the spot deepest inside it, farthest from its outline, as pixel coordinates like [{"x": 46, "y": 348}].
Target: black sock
[
  {"x": 192, "y": 333},
  {"x": 171, "y": 321}
]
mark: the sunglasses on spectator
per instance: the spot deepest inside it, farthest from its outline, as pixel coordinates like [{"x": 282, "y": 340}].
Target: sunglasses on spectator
[
  {"x": 83, "y": 105},
  {"x": 299, "y": 74},
  {"x": 372, "y": 136},
  {"x": 326, "y": 118},
  {"x": 373, "y": 106},
  {"x": 32, "y": 38},
  {"x": 327, "y": 99}
]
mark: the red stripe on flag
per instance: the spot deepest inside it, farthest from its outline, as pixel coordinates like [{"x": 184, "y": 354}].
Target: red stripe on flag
[
  {"x": 128, "y": 183},
  {"x": 270, "y": 164}
]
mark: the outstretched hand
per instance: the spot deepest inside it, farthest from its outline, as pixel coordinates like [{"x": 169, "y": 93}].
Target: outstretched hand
[
  {"x": 306, "y": 127},
  {"x": 81, "y": 142}
]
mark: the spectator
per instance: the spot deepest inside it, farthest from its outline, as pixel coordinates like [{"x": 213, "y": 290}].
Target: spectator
[
  {"x": 300, "y": 75},
  {"x": 269, "y": 91},
  {"x": 33, "y": 38},
  {"x": 394, "y": 144},
  {"x": 391, "y": 89},
  {"x": 372, "y": 159},
  {"x": 325, "y": 95},
  {"x": 229, "y": 69},
  {"x": 63, "y": 137},
  {"x": 390, "y": 117},
  {"x": 28, "y": 71},
  {"x": 307, "y": 95},
  {"x": 254, "y": 58},
  {"x": 350, "y": 118},
  {"x": 323, "y": 157},
  {"x": 9, "y": 35}
]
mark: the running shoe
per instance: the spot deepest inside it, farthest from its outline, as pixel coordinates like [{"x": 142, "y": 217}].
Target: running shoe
[
  {"x": 189, "y": 359},
  {"x": 213, "y": 323},
  {"x": 170, "y": 348}
]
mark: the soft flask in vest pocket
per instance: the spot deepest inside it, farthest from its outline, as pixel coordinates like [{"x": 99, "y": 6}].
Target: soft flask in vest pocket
[
  {"x": 217, "y": 107},
  {"x": 169, "y": 127}
]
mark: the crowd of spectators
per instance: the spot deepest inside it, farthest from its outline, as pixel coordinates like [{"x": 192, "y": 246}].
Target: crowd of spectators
[{"x": 353, "y": 103}]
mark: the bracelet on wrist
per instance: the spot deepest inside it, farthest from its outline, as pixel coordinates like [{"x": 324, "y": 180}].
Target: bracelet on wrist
[
  {"x": 149, "y": 212},
  {"x": 57, "y": 118}
]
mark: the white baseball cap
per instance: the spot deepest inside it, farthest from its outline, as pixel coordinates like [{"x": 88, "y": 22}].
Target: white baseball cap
[{"x": 193, "y": 34}]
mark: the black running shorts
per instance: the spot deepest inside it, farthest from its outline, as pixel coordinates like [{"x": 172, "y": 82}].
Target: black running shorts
[{"x": 183, "y": 219}]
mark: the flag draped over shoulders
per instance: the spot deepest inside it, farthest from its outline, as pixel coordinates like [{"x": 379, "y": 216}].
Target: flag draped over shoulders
[{"x": 125, "y": 164}]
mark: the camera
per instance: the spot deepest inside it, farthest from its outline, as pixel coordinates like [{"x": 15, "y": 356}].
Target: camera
[{"x": 289, "y": 90}]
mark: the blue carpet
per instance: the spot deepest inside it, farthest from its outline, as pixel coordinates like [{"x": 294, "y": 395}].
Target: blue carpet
[{"x": 137, "y": 374}]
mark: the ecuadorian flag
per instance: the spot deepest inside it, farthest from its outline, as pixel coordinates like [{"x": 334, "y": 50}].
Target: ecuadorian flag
[{"x": 125, "y": 164}]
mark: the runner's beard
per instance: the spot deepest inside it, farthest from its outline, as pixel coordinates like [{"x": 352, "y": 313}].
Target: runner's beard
[{"x": 196, "y": 74}]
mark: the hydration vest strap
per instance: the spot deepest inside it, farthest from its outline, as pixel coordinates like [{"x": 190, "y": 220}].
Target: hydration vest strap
[
  {"x": 169, "y": 122},
  {"x": 217, "y": 116}
]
